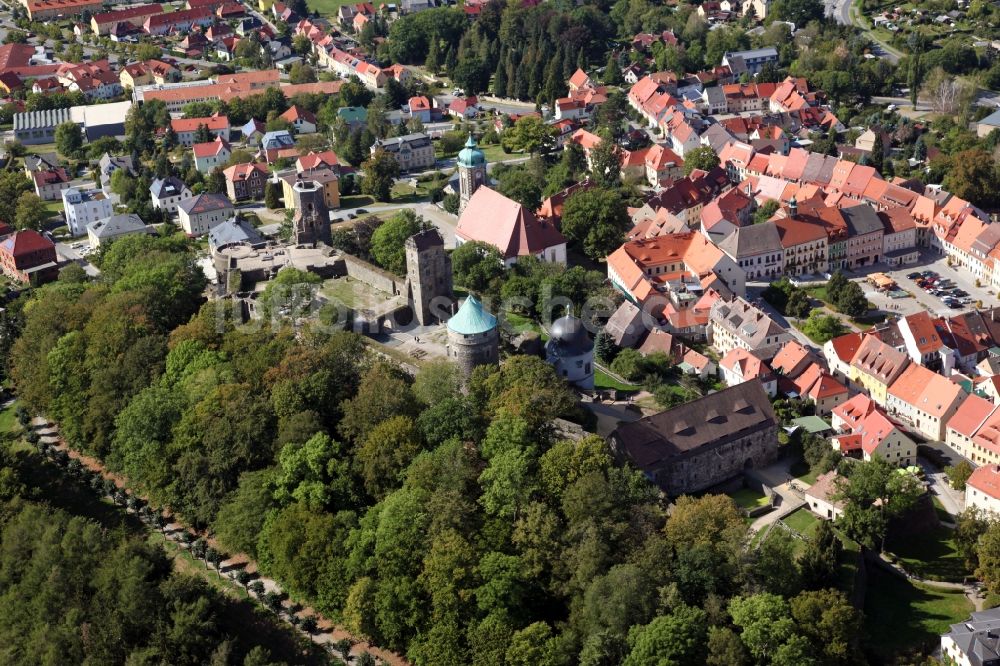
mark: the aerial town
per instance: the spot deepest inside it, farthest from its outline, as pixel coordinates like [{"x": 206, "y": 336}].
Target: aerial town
[{"x": 500, "y": 332}]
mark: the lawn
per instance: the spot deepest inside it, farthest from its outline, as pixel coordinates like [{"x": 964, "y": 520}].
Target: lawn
[
  {"x": 326, "y": 7},
  {"x": 495, "y": 153},
  {"x": 8, "y": 419},
  {"x": 801, "y": 471},
  {"x": 908, "y": 615},
  {"x": 802, "y": 521},
  {"x": 941, "y": 512},
  {"x": 747, "y": 498},
  {"x": 403, "y": 192},
  {"x": 817, "y": 292},
  {"x": 519, "y": 323},
  {"x": 603, "y": 380},
  {"x": 355, "y": 201},
  {"x": 929, "y": 553}
]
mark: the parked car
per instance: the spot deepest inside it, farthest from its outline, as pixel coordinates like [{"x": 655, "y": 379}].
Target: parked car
[{"x": 913, "y": 276}]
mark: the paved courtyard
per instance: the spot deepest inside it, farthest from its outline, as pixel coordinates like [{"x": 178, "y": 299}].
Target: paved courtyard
[{"x": 921, "y": 301}]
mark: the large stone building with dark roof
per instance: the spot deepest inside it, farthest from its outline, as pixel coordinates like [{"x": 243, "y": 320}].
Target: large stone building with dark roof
[{"x": 704, "y": 442}]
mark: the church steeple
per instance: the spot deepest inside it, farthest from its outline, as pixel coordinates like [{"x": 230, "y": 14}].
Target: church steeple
[{"x": 471, "y": 171}]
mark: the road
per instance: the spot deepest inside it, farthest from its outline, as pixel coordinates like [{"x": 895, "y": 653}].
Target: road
[
  {"x": 902, "y": 102},
  {"x": 952, "y": 500},
  {"x": 842, "y": 11}
]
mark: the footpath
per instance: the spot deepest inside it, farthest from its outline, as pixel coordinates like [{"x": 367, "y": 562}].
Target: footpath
[{"x": 327, "y": 633}]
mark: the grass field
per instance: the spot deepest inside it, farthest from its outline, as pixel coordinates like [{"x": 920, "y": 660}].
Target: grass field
[
  {"x": 801, "y": 471},
  {"x": 326, "y": 7},
  {"x": 8, "y": 419},
  {"x": 748, "y": 498},
  {"x": 802, "y": 521},
  {"x": 356, "y": 200},
  {"x": 909, "y": 615},
  {"x": 929, "y": 553},
  {"x": 603, "y": 380},
  {"x": 521, "y": 323}
]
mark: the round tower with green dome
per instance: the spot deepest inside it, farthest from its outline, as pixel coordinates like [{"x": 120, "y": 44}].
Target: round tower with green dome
[
  {"x": 473, "y": 338},
  {"x": 471, "y": 171}
]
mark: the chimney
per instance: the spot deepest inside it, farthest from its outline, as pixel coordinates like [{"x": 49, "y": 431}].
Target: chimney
[{"x": 793, "y": 207}]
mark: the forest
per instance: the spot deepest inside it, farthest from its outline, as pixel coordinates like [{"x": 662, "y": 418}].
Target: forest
[{"x": 455, "y": 528}]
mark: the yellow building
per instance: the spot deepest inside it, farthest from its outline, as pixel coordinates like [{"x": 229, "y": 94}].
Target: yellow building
[
  {"x": 875, "y": 367},
  {"x": 327, "y": 178}
]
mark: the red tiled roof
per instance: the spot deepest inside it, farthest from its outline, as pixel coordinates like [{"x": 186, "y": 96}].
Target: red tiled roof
[
  {"x": 493, "y": 218},
  {"x": 24, "y": 242},
  {"x": 213, "y": 123},
  {"x": 986, "y": 479},
  {"x": 970, "y": 415}
]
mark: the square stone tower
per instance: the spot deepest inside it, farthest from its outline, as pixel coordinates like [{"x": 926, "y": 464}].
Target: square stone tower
[
  {"x": 311, "y": 224},
  {"x": 428, "y": 277}
]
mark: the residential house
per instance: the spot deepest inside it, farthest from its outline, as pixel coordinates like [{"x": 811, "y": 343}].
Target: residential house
[
  {"x": 923, "y": 343},
  {"x": 982, "y": 491},
  {"x": 839, "y": 352},
  {"x": 412, "y": 151},
  {"x": 820, "y": 496},
  {"x": 28, "y": 257},
  {"x": 148, "y": 72},
  {"x": 704, "y": 442},
  {"x": 167, "y": 193},
  {"x": 876, "y": 366},
  {"x": 464, "y": 108},
  {"x": 313, "y": 160},
  {"x": 200, "y": 213},
  {"x": 253, "y": 132},
  {"x": 107, "y": 166},
  {"x": 303, "y": 121},
  {"x": 965, "y": 423},
  {"x": 988, "y": 124},
  {"x": 739, "y": 366},
  {"x": 925, "y": 400},
  {"x": 102, "y": 23},
  {"x": 354, "y": 116},
  {"x": 50, "y": 183},
  {"x": 647, "y": 270},
  {"x": 116, "y": 226},
  {"x": 277, "y": 145},
  {"x": 865, "y": 231},
  {"x": 516, "y": 232},
  {"x": 969, "y": 338},
  {"x": 81, "y": 207},
  {"x": 246, "y": 181},
  {"x": 186, "y": 128},
  {"x": 804, "y": 244},
  {"x": 899, "y": 237},
  {"x": 419, "y": 107},
  {"x": 973, "y": 642},
  {"x": 737, "y": 323},
  {"x": 875, "y": 436},
  {"x": 208, "y": 156},
  {"x": 756, "y": 249},
  {"x": 180, "y": 21}
]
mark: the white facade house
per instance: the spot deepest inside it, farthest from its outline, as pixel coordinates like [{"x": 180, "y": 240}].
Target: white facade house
[
  {"x": 199, "y": 214},
  {"x": 982, "y": 490},
  {"x": 167, "y": 193},
  {"x": 82, "y": 207}
]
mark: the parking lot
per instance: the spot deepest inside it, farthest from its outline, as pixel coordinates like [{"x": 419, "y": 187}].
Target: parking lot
[{"x": 921, "y": 299}]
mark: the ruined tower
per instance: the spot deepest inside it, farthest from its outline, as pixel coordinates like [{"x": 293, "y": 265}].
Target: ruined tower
[
  {"x": 311, "y": 224},
  {"x": 428, "y": 277}
]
